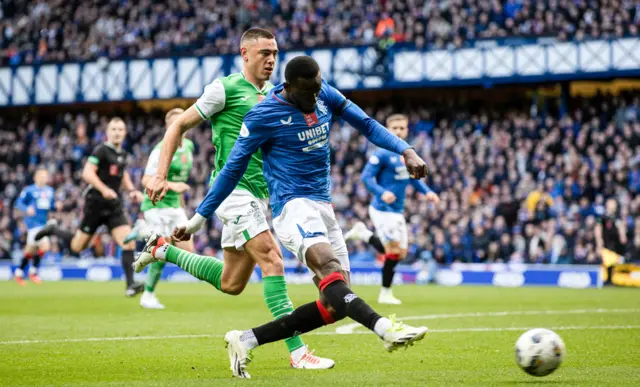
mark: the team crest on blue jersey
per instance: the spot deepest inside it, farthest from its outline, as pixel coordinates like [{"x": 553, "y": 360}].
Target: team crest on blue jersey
[
  {"x": 322, "y": 107},
  {"x": 311, "y": 119}
]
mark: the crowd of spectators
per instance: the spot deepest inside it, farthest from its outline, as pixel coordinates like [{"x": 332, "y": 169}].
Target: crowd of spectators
[
  {"x": 515, "y": 186},
  {"x": 58, "y": 30}
]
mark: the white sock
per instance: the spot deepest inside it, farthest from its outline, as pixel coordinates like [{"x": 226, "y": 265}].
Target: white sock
[
  {"x": 249, "y": 339},
  {"x": 366, "y": 235},
  {"x": 19, "y": 273},
  {"x": 382, "y": 326},
  {"x": 297, "y": 354},
  {"x": 385, "y": 291},
  {"x": 33, "y": 270},
  {"x": 161, "y": 252}
]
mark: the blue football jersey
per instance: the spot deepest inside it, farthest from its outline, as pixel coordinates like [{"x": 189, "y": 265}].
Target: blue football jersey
[
  {"x": 385, "y": 171},
  {"x": 42, "y": 199},
  {"x": 295, "y": 148}
]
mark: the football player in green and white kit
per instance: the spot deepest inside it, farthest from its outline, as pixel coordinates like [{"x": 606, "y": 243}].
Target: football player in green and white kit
[
  {"x": 246, "y": 236},
  {"x": 168, "y": 213}
]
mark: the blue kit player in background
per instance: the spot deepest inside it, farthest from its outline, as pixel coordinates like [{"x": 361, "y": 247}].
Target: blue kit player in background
[
  {"x": 35, "y": 202},
  {"x": 386, "y": 177},
  {"x": 291, "y": 127}
]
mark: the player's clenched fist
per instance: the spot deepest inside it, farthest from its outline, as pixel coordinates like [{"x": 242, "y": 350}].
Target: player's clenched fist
[
  {"x": 416, "y": 167},
  {"x": 157, "y": 189}
]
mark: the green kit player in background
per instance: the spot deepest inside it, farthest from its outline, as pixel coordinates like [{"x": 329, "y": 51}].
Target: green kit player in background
[
  {"x": 168, "y": 213},
  {"x": 246, "y": 236}
]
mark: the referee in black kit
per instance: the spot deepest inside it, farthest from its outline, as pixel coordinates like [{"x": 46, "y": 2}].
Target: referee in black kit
[{"x": 105, "y": 172}]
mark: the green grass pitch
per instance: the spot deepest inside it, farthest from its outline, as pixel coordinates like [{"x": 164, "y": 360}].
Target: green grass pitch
[{"x": 89, "y": 334}]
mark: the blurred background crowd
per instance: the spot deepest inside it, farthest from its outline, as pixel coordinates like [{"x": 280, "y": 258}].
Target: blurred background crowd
[
  {"x": 516, "y": 185},
  {"x": 59, "y": 30}
]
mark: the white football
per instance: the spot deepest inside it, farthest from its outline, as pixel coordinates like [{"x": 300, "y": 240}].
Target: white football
[{"x": 539, "y": 351}]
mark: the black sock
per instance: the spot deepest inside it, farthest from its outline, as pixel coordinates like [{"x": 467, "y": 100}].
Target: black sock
[
  {"x": 303, "y": 319},
  {"x": 346, "y": 303},
  {"x": 127, "y": 265},
  {"x": 388, "y": 271},
  {"x": 610, "y": 275},
  {"x": 376, "y": 243},
  {"x": 36, "y": 260},
  {"x": 25, "y": 261}
]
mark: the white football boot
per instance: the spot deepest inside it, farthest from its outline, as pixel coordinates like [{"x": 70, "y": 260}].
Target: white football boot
[
  {"x": 149, "y": 252},
  {"x": 309, "y": 361},
  {"x": 239, "y": 355},
  {"x": 359, "y": 232},
  {"x": 386, "y": 297},
  {"x": 148, "y": 300},
  {"x": 140, "y": 231},
  {"x": 400, "y": 335}
]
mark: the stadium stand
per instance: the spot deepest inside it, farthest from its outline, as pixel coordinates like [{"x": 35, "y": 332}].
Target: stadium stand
[
  {"x": 62, "y": 30},
  {"x": 516, "y": 186}
]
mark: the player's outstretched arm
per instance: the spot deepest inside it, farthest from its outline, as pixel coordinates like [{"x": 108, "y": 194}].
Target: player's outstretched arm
[
  {"x": 157, "y": 188},
  {"x": 248, "y": 142},
  {"x": 372, "y": 130},
  {"x": 424, "y": 189},
  {"x": 420, "y": 186},
  {"x": 381, "y": 137},
  {"x": 22, "y": 203},
  {"x": 369, "y": 174},
  {"x": 150, "y": 172},
  {"x": 128, "y": 185}
]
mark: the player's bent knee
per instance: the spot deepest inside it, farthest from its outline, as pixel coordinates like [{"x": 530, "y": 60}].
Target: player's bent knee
[
  {"x": 330, "y": 266},
  {"x": 77, "y": 246},
  {"x": 272, "y": 266},
  {"x": 264, "y": 251},
  {"x": 394, "y": 249},
  {"x": 232, "y": 288}
]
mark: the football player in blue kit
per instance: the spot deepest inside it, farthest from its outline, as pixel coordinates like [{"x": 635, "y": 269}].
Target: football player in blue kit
[
  {"x": 387, "y": 178},
  {"x": 34, "y": 202},
  {"x": 291, "y": 127}
]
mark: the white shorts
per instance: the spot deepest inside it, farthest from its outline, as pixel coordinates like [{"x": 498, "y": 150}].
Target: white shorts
[
  {"x": 164, "y": 220},
  {"x": 390, "y": 227},
  {"x": 304, "y": 223},
  {"x": 31, "y": 237},
  {"x": 243, "y": 216}
]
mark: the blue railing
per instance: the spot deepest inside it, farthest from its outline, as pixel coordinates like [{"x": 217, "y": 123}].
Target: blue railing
[{"x": 348, "y": 68}]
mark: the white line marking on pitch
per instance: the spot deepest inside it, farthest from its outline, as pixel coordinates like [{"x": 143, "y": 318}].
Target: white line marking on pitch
[
  {"x": 206, "y": 336},
  {"x": 89, "y": 339},
  {"x": 350, "y": 328}
]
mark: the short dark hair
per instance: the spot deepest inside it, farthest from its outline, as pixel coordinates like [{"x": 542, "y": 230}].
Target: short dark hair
[
  {"x": 396, "y": 117},
  {"x": 173, "y": 112},
  {"x": 255, "y": 33},
  {"x": 302, "y": 66}
]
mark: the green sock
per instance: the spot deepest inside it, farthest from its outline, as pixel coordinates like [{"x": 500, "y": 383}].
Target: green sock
[
  {"x": 153, "y": 276},
  {"x": 279, "y": 304},
  {"x": 208, "y": 269}
]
